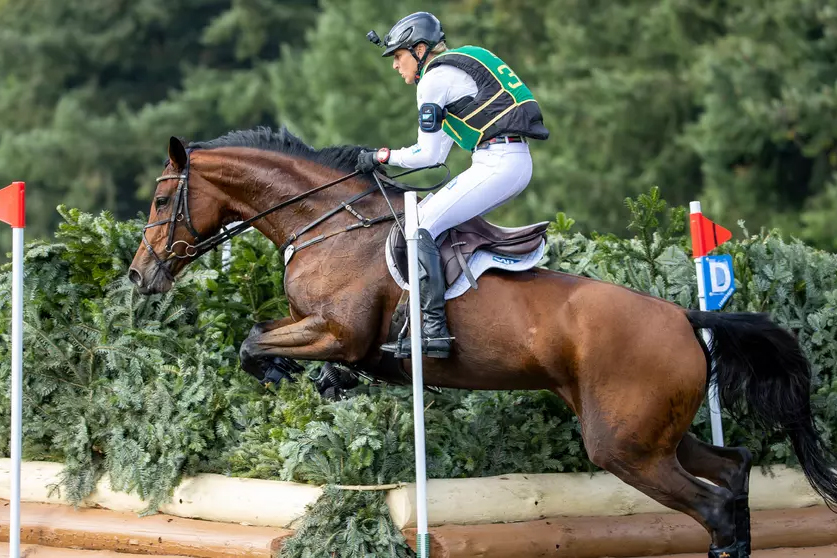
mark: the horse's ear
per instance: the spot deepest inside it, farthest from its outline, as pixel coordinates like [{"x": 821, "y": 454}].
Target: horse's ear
[{"x": 177, "y": 153}]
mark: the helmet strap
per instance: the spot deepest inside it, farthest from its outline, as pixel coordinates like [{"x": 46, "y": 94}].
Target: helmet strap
[{"x": 421, "y": 60}]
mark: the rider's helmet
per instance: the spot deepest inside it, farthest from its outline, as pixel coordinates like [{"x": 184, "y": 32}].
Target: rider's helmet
[{"x": 420, "y": 27}]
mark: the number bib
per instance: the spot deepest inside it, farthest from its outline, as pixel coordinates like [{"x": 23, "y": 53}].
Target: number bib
[{"x": 504, "y": 105}]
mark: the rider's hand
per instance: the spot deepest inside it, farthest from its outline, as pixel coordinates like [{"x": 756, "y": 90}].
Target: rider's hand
[{"x": 367, "y": 161}]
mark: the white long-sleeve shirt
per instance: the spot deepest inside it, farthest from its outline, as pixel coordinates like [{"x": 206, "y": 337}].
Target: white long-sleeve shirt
[{"x": 442, "y": 86}]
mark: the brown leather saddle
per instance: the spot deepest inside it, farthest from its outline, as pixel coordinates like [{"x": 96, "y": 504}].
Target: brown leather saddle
[{"x": 458, "y": 244}]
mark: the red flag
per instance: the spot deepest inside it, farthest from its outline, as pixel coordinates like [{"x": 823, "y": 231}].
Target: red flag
[
  {"x": 706, "y": 235},
  {"x": 13, "y": 205}
]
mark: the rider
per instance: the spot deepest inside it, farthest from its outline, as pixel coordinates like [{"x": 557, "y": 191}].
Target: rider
[{"x": 469, "y": 96}]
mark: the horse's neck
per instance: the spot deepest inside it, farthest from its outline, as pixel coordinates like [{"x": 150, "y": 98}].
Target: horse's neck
[{"x": 257, "y": 184}]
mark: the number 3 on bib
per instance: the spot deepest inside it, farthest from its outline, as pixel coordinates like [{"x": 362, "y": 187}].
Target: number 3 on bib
[{"x": 515, "y": 80}]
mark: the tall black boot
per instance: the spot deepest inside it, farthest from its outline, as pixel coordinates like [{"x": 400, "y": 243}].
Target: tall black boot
[{"x": 435, "y": 337}]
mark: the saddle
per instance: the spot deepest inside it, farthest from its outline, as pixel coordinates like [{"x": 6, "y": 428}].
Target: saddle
[{"x": 458, "y": 244}]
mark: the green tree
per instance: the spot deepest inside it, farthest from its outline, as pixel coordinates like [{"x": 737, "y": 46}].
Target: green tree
[{"x": 91, "y": 90}]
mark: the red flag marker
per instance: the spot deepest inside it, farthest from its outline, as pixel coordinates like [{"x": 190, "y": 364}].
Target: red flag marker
[
  {"x": 706, "y": 235},
  {"x": 13, "y": 205}
]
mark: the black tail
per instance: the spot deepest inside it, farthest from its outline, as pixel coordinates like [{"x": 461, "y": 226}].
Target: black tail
[{"x": 761, "y": 363}]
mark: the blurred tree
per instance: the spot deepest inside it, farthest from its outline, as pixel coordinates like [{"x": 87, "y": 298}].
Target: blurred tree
[
  {"x": 767, "y": 132},
  {"x": 91, "y": 90},
  {"x": 732, "y": 103}
]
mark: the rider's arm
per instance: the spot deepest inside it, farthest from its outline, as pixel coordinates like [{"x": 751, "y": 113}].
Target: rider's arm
[{"x": 432, "y": 147}]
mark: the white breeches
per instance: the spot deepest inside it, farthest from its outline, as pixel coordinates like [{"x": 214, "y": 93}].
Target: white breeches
[{"x": 497, "y": 175}]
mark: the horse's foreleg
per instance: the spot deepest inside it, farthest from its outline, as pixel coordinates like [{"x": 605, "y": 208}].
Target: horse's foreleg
[
  {"x": 268, "y": 342},
  {"x": 307, "y": 339}
]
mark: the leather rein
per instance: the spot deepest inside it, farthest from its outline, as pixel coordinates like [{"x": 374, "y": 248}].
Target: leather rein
[{"x": 180, "y": 213}]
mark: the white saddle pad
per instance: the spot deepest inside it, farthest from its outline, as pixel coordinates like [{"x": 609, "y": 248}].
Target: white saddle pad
[{"x": 479, "y": 262}]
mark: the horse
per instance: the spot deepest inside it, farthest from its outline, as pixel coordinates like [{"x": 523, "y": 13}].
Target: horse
[{"x": 632, "y": 367}]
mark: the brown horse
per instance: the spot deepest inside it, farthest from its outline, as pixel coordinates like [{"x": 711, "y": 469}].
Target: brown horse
[{"x": 634, "y": 368}]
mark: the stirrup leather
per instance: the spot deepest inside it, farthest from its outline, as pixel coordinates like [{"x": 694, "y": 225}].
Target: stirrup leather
[{"x": 402, "y": 347}]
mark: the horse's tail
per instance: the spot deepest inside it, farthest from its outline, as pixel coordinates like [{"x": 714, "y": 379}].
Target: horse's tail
[{"x": 762, "y": 363}]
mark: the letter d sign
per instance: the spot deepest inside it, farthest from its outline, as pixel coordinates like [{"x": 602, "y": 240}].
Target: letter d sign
[{"x": 718, "y": 280}]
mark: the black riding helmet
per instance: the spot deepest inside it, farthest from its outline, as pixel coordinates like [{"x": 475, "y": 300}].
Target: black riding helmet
[{"x": 419, "y": 27}]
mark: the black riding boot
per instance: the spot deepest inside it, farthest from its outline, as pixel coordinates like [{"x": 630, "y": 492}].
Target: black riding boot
[{"x": 435, "y": 338}]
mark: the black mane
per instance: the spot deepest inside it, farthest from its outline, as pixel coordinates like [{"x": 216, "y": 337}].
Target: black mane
[{"x": 340, "y": 157}]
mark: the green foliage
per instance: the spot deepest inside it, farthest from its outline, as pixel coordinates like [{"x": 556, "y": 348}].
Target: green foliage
[{"x": 348, "y": 524}]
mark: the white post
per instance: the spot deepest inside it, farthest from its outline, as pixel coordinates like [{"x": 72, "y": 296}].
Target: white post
[
  {"x": 17, "y": 386},
  {"x": 712, "y": 394},
  {"x": 411, "y": 231},
  {"x": 226, "y": 251}
]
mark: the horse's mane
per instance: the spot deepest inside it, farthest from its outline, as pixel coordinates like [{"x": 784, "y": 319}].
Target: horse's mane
[{"x": 340, "y": 157}]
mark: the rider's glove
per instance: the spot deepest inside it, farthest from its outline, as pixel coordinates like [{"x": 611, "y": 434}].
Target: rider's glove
[{"x": 367, "y": 161}]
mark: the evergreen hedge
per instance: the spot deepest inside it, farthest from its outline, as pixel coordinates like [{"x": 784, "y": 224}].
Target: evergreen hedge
[{"x": 148, "y": 389}]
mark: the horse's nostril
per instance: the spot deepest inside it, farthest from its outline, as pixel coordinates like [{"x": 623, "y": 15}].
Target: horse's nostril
[{"x": 135, "y": 277}]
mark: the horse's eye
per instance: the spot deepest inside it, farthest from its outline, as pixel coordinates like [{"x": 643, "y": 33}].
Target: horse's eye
[{"x": 161, "y": 202}]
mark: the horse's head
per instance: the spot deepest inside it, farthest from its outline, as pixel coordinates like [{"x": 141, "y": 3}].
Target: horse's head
[{"x": 183, "y": 212}]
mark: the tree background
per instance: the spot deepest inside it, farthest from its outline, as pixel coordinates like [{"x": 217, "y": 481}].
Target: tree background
[{"x": 732, "y": 103}]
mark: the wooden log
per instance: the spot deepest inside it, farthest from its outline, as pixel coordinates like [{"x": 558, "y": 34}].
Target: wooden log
[
  {"x": 622, "y": 537},
  {"x": 57, "y": 525},
  {"x": 829, "y": 551},
  {"x": 484, "y": 500},
  {"x": 206, "y": 496},
  {"x": 514, "y": 498},
  {"x": 36, "y": 551}
]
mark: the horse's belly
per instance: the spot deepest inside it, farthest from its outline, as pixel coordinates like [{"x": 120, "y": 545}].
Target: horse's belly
[{"x": 509, "y": 334}]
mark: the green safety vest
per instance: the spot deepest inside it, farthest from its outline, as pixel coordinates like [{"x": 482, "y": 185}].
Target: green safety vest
[{"x": 503, "y": 104}]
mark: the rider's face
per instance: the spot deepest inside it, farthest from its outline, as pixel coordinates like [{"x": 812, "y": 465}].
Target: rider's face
[{"x": 404, "y": 63}]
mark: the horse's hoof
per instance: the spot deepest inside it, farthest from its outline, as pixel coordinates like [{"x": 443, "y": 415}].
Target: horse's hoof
[
  {"x": 332, "y": 381},
  {"x": 279, "y": 369}
]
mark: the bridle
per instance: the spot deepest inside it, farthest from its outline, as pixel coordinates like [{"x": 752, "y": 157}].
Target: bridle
[{"x": 180, "y": 213}]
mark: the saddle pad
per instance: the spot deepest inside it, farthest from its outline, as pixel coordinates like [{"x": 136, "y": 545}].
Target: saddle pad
[{"x": 479, "y": 262}]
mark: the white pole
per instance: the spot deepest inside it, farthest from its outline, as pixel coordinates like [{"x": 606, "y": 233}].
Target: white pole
[
  {"x": 411, "y": 231},
  {"x": 712, "y": 394},
  {"x": 17, "y": 386},
  {"x": 226, "y": 251}
]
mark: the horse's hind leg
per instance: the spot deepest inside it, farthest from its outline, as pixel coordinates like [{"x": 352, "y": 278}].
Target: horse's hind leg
[
  {"x": 727, "y": 467},
  {"x": 664, "y": 479}
]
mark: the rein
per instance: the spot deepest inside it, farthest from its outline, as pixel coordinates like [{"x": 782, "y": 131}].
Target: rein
[{"x": 180, "y": 212}]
